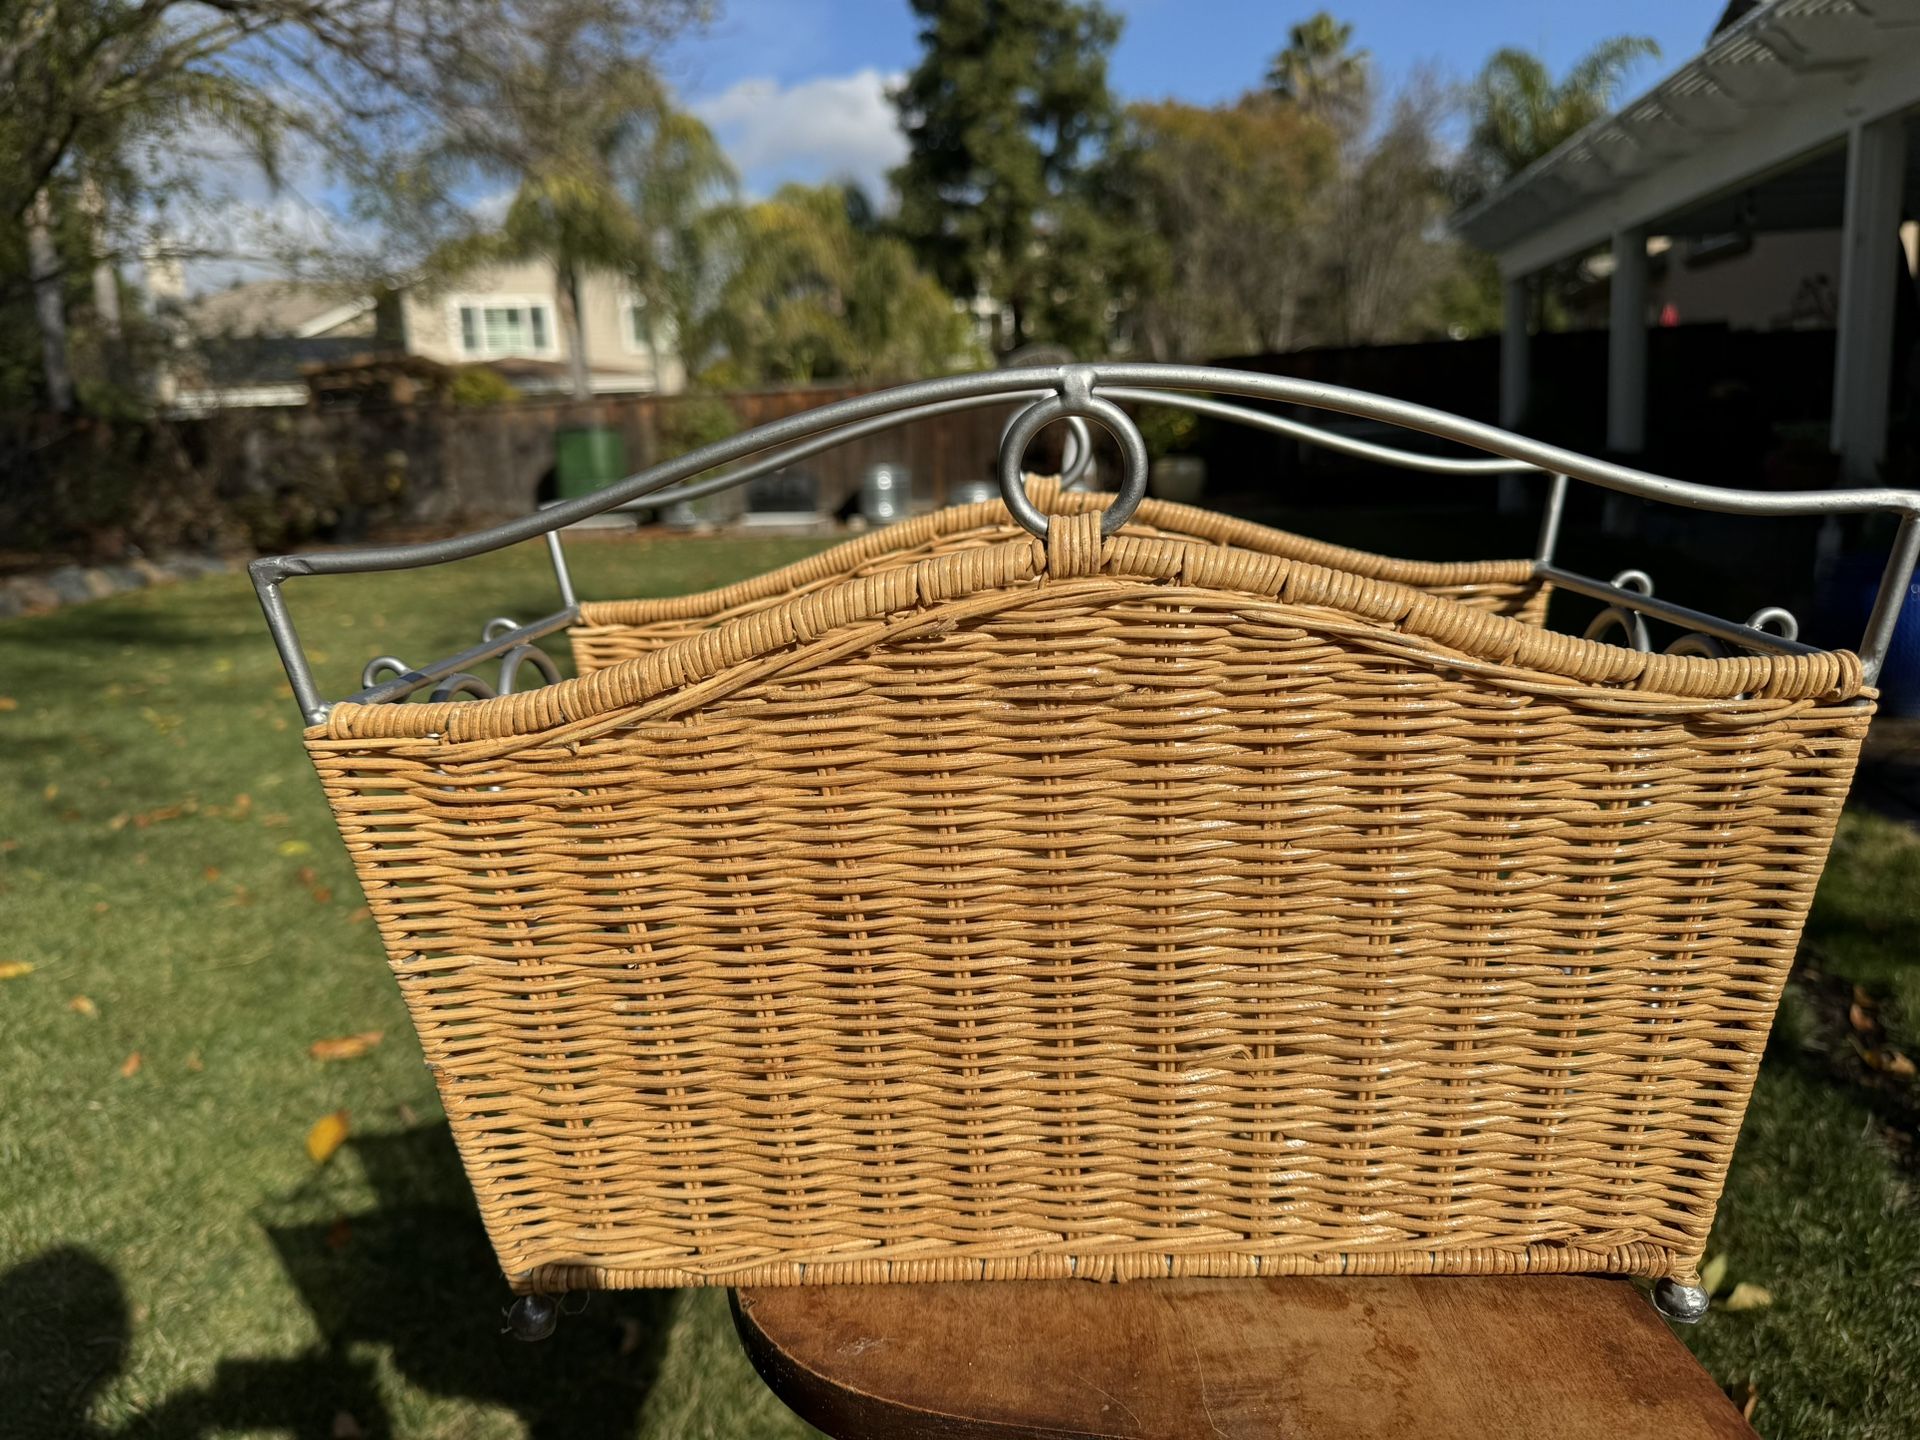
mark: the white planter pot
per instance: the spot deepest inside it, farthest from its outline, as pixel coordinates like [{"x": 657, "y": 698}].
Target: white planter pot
[{"x": 1179, "y": 478}]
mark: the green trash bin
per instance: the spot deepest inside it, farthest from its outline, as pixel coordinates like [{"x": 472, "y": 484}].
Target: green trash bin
[{"x": 587, "y": 458}]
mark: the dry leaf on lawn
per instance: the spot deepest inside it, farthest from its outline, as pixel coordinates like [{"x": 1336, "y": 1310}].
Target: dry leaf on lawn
[
  {"x": 14, "y": 969},
  {"x": 1858, "y": 1017},
  {"x": 1749, "y": 1296},
  {"x": 7, "y": 702},
  {"x": 81, "y": 1005},
  {"x": 328, "y": 1134},
  {"x": 294, "y": 847},
  {"x": 130, "y": 1066},
  {"x": 1713, "y": 1273},
  {"x": 345, "y": 1047},
  {"x": 195, "y": 1063},
  {"x": 1893, "y": 1062}
]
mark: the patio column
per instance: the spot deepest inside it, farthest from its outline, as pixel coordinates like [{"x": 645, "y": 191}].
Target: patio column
[
  {"x": 1870, "y": 258},
  {"x": 1513, "y": 349},
  {"x": 1627, "y": 343}
]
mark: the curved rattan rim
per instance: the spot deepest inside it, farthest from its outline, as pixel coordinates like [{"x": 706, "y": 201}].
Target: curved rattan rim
[
  {"x": 968, "y": 583},
  {"x": 1167, "y": 517}
]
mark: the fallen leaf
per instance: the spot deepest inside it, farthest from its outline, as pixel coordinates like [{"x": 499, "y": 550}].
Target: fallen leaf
[
  {"x": 50, "y": 793},
  {"x": 195, "y": 1063},
  {"x": 7, "y": 702},
  {"x": 130, "y": 1066},
  {"x": 1858, "y": 1017},
  {"x": 294, "y": 847},
  {"x": 14, "y": 969},
  {"x": 1862, "y": 998},
  {"x": 321, "y": 895},
  {"x": 81, "y": 1005},
  {"x": 344, "y": 1047},
  {"x": 360, "y": 916},
  {"x": 1713, "y": 1273},
  {"x": 1750, "y": 1402},
  {"x": 210, "y": 874},
  {"x": 328, "y": 1134},
  {"x": 1893, "y": 1062},
  {"x": 1749, "y": 1296},
  {"x": 101, "y": 907}
]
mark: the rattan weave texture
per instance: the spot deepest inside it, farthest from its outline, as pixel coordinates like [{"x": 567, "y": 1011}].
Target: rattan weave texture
[
  {"x": 1112, "y": 909},
  {"x": 609, "y": 632}
]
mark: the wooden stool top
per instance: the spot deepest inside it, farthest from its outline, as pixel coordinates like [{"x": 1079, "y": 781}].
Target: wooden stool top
[{"x": 1300, "y": 1358}]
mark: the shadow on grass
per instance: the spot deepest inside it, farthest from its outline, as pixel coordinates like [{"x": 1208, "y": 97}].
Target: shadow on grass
[{"x": 414, "y": 1276}]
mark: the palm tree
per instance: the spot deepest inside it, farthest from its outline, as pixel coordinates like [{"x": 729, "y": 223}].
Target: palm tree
[
  {"x": 1320, "y": 74},
  {"x": 563, "y": 112},
  {"x": 1521, "y": 113},
  {"x": 680, "y": 186}
]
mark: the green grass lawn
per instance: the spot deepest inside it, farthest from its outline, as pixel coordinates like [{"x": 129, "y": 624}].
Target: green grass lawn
[{"x": 173, "y": 1263}]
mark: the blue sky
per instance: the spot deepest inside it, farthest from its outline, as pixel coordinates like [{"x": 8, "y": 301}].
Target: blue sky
[{"x": 795, "y": 88}]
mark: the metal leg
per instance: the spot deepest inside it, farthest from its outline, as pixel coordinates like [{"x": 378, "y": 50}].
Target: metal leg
[
  {"x": 1683, "y": 1304},
  {"x": 533, "y": 1317}
]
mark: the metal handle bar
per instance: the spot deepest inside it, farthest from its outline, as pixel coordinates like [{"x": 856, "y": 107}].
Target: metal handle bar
[{"x": 1089, "y": 390}]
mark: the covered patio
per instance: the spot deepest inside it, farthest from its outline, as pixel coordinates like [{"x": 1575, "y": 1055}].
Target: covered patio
[{"x": 1800, "y": 116}]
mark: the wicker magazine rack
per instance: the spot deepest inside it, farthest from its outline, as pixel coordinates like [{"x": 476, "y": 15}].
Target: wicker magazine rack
[{"x": 1037, "y": 893}]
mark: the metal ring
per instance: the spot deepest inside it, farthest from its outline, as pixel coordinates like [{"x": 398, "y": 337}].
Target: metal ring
[
  {"x": 459, "y": 684},
  {"x": 498, "y": 626},
  {"x": 1776, "y": 615},
  {"x": 533, "y": 655},
  {"x": 1696, "y": 643},
  {"x": 369, "y": 674},
  {"x": 1076, "y": 456},
  {"x": 1115, "y": 421},
  {"x": 1625, "y": 619}
]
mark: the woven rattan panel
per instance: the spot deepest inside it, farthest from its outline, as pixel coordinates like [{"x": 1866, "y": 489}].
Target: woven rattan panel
[
  {"x": 611, "y": 631},
  {"x": 1111, "y": 911}
]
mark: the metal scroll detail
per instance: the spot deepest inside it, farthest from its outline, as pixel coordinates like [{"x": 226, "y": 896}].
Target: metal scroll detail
[
  {"x": 1768, "y": 620},
  {"x": 501, "y": 635},
  {"x": 1772, "y": 620}
]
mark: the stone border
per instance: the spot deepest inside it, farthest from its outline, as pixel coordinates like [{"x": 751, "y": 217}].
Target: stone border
[{"x": 38, "y": 592}]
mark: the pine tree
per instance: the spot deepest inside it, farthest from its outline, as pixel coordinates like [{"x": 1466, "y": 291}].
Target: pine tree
[{"x": 1009, "y": 121}]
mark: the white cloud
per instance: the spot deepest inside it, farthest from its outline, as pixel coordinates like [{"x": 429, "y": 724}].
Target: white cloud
[{"x": 831, "y": 127}]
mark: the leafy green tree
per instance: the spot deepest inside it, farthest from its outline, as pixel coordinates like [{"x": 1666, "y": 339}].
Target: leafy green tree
[
  {"x": 813, "y": 296},
  {"x": 1520, "y": 112},
  {"x": 1008, "y": 119},
  {"x": 1222, "y": 192},
  {"x": 101, "y": 95}
]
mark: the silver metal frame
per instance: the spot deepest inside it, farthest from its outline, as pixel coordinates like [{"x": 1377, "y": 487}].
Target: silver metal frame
[{"x": 1091, "y": 392}]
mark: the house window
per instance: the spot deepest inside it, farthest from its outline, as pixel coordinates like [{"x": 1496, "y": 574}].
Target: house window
[
  {"x": 635, "y": 330},
  {"x": 505, "y": 326}
]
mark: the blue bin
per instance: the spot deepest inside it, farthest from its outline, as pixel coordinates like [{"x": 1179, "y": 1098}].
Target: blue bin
[{"x": 1845, "y": 602}]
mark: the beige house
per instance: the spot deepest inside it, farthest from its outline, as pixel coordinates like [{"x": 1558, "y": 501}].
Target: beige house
[{"x": 254, "y": 342}]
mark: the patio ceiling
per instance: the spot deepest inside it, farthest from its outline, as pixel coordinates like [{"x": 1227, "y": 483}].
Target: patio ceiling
[{"x": 1750, "y": 133}]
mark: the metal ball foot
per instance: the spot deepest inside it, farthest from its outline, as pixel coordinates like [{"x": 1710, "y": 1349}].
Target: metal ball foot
[
  {"x": 1682, "y": 1304},
  {"x": 533, "y": 1317}
]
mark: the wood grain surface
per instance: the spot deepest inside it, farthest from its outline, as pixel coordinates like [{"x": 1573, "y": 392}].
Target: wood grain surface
[{"x": 1290, "y": 1358}]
